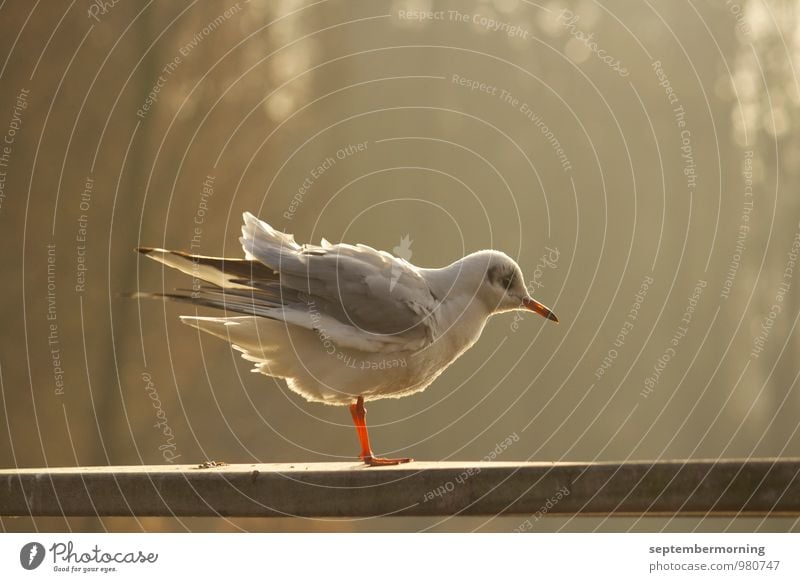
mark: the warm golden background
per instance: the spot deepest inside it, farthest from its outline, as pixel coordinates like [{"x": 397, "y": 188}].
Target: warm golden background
[{"x": 576, "y": 167}]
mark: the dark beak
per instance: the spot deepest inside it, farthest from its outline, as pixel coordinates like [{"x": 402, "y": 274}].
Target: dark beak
[{"x": 533, "y": 305}]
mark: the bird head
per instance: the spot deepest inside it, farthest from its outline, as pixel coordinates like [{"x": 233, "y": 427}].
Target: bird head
[{"x": 503, "y": 286}]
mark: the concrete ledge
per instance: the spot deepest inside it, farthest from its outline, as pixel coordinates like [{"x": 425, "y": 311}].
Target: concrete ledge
[{"x": 756, "y": 487}]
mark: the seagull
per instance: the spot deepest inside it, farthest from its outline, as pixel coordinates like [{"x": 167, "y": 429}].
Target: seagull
[{"x": 342, "y": 323}]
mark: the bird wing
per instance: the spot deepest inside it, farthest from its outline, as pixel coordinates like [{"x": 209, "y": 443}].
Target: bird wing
[
  {"x": 354, "y": 296},
  {"x": 348, "y": 291}
]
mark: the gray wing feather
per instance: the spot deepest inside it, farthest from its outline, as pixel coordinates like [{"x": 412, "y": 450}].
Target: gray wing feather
[{"x": 370, "y": 290}]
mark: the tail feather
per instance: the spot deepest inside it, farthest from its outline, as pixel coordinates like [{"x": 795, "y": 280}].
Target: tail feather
[
  {"x": 282, "y": 351},
  {"x": 225, "y": 300},
  {"x": 240, "y": 331},
  {"x": 238, "y": 285},
  {"x": 264, "y": 342},
  {"x": 219, "y": 271}
]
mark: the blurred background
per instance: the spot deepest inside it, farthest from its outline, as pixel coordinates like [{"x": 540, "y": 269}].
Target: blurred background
[{"x": 641, "y": 161}]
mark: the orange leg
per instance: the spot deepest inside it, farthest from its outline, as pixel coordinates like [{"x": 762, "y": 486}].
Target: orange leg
[{"x": 359, "y": 414}]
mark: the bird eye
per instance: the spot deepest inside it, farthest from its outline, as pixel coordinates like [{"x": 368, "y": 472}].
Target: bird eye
[{"x": 507, "y": 281}]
